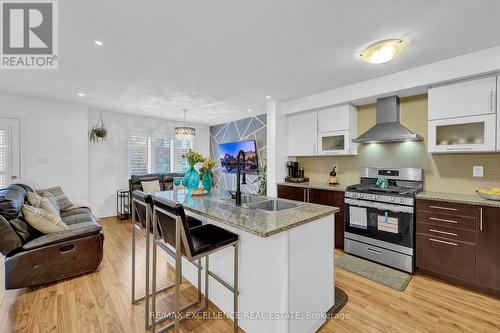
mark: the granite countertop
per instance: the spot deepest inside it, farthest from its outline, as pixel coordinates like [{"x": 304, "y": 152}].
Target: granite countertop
[
  {"x": 257, "y": 222},
  {"x": 320, "y": 186},
  {"x": 471, "y": 199}
]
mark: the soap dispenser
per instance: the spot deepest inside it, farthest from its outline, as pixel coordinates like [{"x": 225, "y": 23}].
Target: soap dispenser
[{"x": 333, "y": 176}]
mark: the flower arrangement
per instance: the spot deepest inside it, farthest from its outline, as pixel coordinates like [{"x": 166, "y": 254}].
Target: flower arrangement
[
  {"x": 208, "y": 166},
  {"x": 193, "y": 157}
]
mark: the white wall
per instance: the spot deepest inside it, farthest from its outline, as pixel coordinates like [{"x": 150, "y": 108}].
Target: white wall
[
  {"x": 53, "y": 142},
  {"x": 108, "y": 160},
  {"x": 277, "y": 134}
]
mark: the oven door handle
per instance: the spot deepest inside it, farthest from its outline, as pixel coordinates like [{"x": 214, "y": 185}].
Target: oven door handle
[{"x": 380, "y": 206}]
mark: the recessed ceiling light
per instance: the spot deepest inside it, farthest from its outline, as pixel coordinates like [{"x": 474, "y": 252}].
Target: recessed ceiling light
[
  {"x": 98, "y": 43},
  {"x": 383, "y": 51},
  {"x": 249, "y": 110},
  {"x": 268, "y": 97},
  {"x": 81, "y": 94}
]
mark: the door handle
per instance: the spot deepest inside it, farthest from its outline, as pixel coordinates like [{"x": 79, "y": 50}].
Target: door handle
[
  {"x": 443, "y": 242},
  {"x": 492, "y": 101},
  {"x": 481, "y": 219},
  {"x": 305, "y": 190},
  {"x": 13, "y": 177},
  {"x": 374, "y": 251}
]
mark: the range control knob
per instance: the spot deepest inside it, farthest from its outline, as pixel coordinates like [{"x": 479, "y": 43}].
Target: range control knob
[
  {"x": 361, "y": 195},
  {"x": 392, "y": 199},
  {"x": 402, "y": 200},
  {"x": 375, "y": 197}
]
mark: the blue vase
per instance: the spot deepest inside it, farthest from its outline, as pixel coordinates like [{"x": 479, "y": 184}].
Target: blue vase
[
  {"x": 206, "y": 181},
  {"x": 191, "y": 179}
]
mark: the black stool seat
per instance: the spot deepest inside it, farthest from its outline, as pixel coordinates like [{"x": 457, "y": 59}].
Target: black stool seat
[
  {"x": 193, "y": 222},
  {"x": 210, "y": 237}
]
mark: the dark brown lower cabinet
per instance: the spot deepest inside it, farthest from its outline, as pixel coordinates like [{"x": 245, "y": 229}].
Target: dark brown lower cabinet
[
  {"x": 458, "y": 248},
  {"x": 320, "y": 197},
  {"x": 488, "y": 248}
]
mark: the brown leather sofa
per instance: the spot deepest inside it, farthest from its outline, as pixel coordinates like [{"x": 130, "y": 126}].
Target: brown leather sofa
[{"x": 32, "y": 258}]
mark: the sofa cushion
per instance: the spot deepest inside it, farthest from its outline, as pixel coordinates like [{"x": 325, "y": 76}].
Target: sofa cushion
[
  {"x": 42, "y": 220},
  {"x": 77, "y": 215},
  {"x": 74, "y": 231},
  {"x": 23, "y": 229},
  {"x": 11, "y": 200},
  {"x": 9, "y": 239},
  {"x": 151, "y": 187},
  {"x": 58, "y": 193}
]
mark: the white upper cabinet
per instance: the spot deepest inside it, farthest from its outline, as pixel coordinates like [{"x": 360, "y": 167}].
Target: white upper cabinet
[
  {"x": 335, "y": 118},
  {"x": 337, "y": 126},
  {"x": 303, "y": 134},
  {"x": 328, "y": 131},
  {"x": 469, "y": 98}
]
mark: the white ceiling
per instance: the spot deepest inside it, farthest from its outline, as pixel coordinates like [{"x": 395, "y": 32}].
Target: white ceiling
[{"x": 218, "y": 58}]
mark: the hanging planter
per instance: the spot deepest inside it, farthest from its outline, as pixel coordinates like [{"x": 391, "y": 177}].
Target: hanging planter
[{"x": 99, "y": 131}]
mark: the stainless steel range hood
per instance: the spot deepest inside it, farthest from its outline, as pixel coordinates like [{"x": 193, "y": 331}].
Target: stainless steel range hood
[{"x": 388, "y": 127}]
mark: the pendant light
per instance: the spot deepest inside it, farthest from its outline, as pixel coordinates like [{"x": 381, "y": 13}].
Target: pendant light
[{"x": 185, "y": 132}]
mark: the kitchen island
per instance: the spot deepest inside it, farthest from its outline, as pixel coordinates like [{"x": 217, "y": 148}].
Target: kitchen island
[{"x": 286, "y": 260}]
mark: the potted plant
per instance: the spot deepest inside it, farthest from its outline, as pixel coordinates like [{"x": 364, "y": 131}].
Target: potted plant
[
  {"x": 192, "y": 176},
  {"x": 206, "y": 173},
  {"x": 262, "y": 179},
  {"x": 99, "y": 131}
]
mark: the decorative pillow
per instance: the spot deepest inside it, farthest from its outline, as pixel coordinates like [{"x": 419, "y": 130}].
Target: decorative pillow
[
  {"x": 50, "y": 205},
  {"x": 62, "y": 199},
  {"x": 34, "y": 199},
  {"x": 42, "y": 220},
  {"x": 151, "y": 187},
  {"x": 52, "y": 199}
]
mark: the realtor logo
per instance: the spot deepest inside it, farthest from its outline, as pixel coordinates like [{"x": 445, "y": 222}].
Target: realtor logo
[{"x": 29, "y": 34}]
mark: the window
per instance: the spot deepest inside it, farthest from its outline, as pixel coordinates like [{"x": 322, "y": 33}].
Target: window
[
  {"x": 139, "y": 151},
  {"x": 147, "y": 155},
  {"x": 181, "y": 147},
  {"x": 162, "y": 155}
]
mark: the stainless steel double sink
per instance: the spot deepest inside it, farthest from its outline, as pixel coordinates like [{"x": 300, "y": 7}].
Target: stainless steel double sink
[{"x": 262, "y": 203}]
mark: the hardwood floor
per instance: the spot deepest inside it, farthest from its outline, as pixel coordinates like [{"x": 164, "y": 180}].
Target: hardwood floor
[{"x": 100, "y": 302}]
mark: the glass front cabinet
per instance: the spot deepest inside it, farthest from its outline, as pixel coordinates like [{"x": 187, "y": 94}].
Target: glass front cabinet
[
  {"x": 335, "y": 143},
  {"x": 463, "y": 134}
]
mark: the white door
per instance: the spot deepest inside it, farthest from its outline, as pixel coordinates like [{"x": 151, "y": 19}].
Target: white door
[
  {"x": 9, "y": 151},
  {"x": 303, "y": 134}
]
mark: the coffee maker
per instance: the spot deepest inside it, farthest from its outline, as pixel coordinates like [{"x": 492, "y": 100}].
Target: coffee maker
[
  {"x": 295, "y": 174},
  {"x": 293, "y": 169}
]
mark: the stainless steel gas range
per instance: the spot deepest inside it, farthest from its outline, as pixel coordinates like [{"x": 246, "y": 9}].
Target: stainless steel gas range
[{"x": 380, "y": 216}]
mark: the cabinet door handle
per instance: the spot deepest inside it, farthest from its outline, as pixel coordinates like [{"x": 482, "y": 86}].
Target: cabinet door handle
[
  {"x": 442, "y": 220},
  {"x": 444, "y": 208},
  {"x": 308, "y": 194},
  {"x": 492, "y": 101},
  {"x": 443, "y": 232},
  {"x": 443, "y": 242},
  {"x": 481, "y": 219},
  {"x": 305, "y": 191}
]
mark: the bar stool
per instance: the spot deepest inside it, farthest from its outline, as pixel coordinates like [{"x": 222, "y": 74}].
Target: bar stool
[
  {"x": 192, "y": 244},
  {"x": 142, "y": 212}
]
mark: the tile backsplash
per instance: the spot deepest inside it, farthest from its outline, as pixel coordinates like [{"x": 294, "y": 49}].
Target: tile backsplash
[{"x": 442, "y": 172}]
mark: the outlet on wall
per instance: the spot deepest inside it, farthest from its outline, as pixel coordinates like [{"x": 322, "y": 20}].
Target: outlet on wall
[{"x": 477, "y": 171}]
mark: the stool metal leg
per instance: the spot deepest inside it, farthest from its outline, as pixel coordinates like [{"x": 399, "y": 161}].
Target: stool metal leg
[
  {"x": 148, "y": 236},
  {"x": 133, "y": 254},
  {"x": 178, "y": 272},
  {"x": 153, "y": 282},
  {"x": 206, "y": 280},
  {"x": 199, "y": 280},
  {"x": 235, "y": 287}
]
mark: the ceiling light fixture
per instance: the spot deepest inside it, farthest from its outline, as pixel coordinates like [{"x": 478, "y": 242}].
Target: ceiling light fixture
[
  {"x": 81, "y": 94},
  {"x": 268, "y": 97},
  {"x": 185, "y": 132},
  {"x": 249, "y": 110},
  {"x": 383, "y": 51},
  {"x": 98, "y": 43}
]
